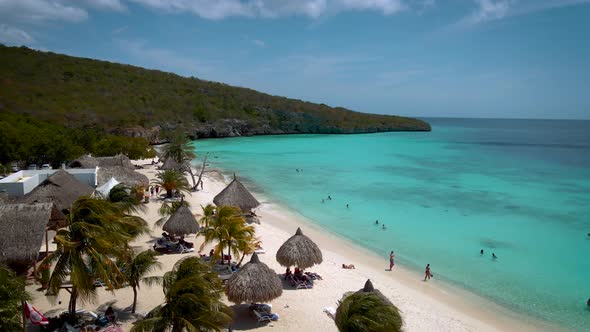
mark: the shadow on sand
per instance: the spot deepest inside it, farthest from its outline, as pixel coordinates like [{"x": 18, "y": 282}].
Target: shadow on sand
[{"x": 243, "y": 321}]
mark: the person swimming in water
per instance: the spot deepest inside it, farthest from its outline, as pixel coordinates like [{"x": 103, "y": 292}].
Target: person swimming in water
[
  {"x": 329, "y": 197},
  {"x": 494, "y": 256},
  {"x": 481, "y": 252},
  {"x": 383, "y": 226},
  {"x": 347, "y": 206},
  {"x": 376, "y": 222}
]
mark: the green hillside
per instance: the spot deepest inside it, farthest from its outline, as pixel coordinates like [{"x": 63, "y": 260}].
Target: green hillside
[{"x": 132, "y": 101}]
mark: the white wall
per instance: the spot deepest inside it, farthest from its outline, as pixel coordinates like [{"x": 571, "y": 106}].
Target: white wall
[{"x": 14, "y": 188}]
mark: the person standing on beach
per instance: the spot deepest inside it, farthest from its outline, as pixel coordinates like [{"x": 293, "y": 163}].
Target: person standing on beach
[
  {"x": 391, "y": 262},
  {"x": 427, "y": 274}
]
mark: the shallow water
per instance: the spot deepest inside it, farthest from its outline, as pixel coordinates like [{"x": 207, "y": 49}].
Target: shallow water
[{"x": 516, "y": 188}]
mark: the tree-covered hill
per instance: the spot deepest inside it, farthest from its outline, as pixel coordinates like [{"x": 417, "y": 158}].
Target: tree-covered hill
[{"x": 127, "y": 100}]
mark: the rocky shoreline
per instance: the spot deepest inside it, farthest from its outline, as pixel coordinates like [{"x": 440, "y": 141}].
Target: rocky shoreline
[{"x": 237, "y": 128}]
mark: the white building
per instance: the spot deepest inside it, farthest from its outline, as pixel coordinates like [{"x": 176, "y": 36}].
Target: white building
[{"x": 22, "y": 182}]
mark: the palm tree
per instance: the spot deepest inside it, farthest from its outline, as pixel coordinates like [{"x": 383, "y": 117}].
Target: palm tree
[
  {"x": 135, "y": 270},
  {"x": 12, "y": 293},
  {"x": 229, "y": 230},
  {"x": 193, "y": 301},
  {"x": 126, "y": 197},
  {"x": 360, "y": 312},
  {"x": 98, "y": 231},
  {"x": 171, "y": 180},
  {"x": 208, "y": 215},
  {"x": 180, "y": 150},
  {"x": 247, "y": 246}
]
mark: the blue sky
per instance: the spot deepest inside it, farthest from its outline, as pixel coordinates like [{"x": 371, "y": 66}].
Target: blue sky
[{"x": 464, "y": 58}]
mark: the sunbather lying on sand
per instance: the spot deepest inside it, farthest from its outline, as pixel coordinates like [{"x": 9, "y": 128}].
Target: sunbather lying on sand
[{"x": 348, "y": 266}]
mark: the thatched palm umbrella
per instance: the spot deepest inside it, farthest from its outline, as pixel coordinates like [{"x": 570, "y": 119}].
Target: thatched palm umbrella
[
  {"x": 22, "y": 228},
  {"x": 123, "y": 175},
  {"x": 254, "y": 282},
  {"x": 87, "y": 161},
  {"x": 172, "y": 165},
  {"x": 368, "y": 288},
  {"x": 299, "y": 250},
  {"x": 181, "y": 222},
  {"x": 367, "y": 309},
  {"x": 120, "y": 160},
  {"x": 62, "y": 189},
  {"x": 235, "y": 194}
]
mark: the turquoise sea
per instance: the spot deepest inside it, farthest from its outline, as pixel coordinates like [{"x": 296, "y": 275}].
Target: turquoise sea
[{"x": 516, "y": 188}]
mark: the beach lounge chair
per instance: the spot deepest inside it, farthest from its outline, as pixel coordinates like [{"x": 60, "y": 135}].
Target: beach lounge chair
[
  {"x": 331, "y": 312},
  {"x": 262, "y": 317},
  {"x": 303, "y": 285}
]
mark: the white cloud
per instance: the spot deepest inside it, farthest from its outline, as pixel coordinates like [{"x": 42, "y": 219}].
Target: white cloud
[
  {"x": 115, "y": 5},
  {"x": 14, "y": 36},
  {"x": 39, "y": 11},
  {"x": 219, "y": 9},
  {"x": 490, "y": 10},
  {"x": 31, "y": 11},
  {"x": 259, "y": 43}
]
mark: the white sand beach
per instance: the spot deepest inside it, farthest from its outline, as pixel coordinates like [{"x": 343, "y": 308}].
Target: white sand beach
[{"x": 425, "y": 306}]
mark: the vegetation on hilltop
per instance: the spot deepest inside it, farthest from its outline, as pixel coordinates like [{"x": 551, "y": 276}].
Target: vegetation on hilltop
[
  {"x": 28, "y": 140},
  {"x": 79, "y": 93}
]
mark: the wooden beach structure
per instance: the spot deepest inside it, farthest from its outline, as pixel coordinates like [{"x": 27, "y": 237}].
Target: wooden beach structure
[
  {"x": 62, "y": 189},
  {"x": 22, "y": 227},
  {"x": 181, "y": 222},
  {"x": 124, "y": 175},
  {"x": 236, "y": 194},
  {"x": 92, "y": 162},
  {"x": 172, "y": 165},
  {"x": 254, "y": 282},
  {"x": 299, "y": 250}
]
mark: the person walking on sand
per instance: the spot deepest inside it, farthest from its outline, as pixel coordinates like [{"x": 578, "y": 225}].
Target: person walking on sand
[
  {"x": 427, "y": 274},
  {"x": 391, "y": 262}
]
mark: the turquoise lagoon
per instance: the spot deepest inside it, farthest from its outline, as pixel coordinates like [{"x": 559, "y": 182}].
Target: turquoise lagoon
[{"x": 516, "y": 188}]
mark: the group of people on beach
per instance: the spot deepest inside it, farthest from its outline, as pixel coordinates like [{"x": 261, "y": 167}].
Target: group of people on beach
[
  {"x": 427, "y": 274},
  {"x": 151, "y": 191}
]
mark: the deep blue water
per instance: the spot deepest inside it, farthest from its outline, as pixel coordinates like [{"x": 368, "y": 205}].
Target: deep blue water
[{"x": 517, "y": 188}]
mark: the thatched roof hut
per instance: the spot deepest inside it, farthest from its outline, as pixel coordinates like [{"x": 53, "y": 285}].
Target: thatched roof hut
[
  {"x": 22, "y": 227},
  {"x": 299, "y": 250},
  {"x": 171, "y": 164},
  {"x": 182, "y": 222},
  {"x": 368, "y": 288},
  {"x": 92, "y": 162},
  {"x": 254, "y": 282},
  {"x": 84, "y": 162},
  {"x": 123, "y": 175},
  {"x": 62, "y": 189},
  {"x": 235, "y": 194}
]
